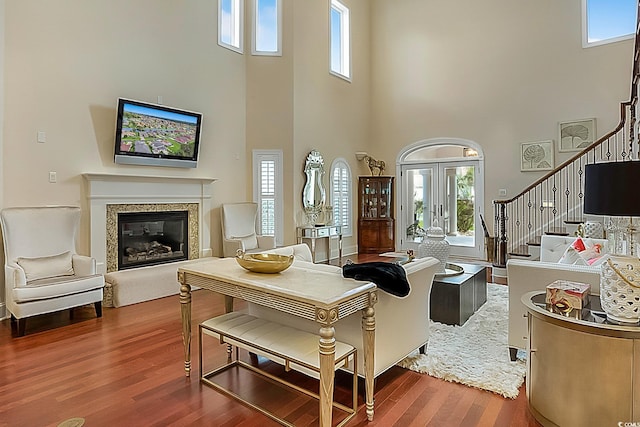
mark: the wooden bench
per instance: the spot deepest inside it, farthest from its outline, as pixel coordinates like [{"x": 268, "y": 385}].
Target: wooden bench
[{"x": 293, "y": 348}]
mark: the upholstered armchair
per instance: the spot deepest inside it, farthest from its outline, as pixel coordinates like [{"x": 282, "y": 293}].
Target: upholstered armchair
[
  {"x": 43, "y": 272},
  {"x": 239, "y": 229}
]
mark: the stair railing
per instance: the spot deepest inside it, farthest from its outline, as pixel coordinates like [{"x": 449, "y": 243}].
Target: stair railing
[{"x": 557, "y": 199}]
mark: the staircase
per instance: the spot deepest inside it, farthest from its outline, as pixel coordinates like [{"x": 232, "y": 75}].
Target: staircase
[{"x": 554, "y": 203}]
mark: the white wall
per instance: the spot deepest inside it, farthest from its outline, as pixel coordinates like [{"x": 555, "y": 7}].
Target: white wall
[
  {"x": 2, "y": 21},
  {"x": 331, "y": 114},
  {"x": 67, "y": 62},
  {"x": 497, "y": 72}
]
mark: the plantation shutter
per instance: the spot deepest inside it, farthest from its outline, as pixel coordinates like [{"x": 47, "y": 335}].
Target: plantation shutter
[
  {"x": 267, "y": 197},
  {"x": 341, "y": 196},
  {"x": 267, "y": 192}
]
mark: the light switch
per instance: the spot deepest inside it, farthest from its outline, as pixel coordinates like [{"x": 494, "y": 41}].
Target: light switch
[
  {"x": 42, "y": 137},
  {"x": 53, "y": 177},
  {"x": 502, "y": 192}
]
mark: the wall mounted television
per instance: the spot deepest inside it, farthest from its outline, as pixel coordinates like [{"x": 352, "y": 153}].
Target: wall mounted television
[{"x": 156, "y": 135}]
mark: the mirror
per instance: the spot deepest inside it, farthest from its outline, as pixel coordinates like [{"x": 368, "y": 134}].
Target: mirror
[{"x": 313, "y": 194}]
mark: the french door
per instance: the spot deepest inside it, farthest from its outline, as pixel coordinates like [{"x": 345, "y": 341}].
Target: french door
[{"x": 446, "y": 193}]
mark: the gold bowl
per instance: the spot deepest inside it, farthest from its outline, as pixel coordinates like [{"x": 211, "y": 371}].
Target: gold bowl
[{"x": 264, "y": 263}]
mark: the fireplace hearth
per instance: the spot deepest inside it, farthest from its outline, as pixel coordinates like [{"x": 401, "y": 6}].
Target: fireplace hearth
[{"x": 148, "y": 238}]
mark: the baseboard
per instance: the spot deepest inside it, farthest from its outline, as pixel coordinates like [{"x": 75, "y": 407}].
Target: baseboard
[{"x": 3, "y": 311}]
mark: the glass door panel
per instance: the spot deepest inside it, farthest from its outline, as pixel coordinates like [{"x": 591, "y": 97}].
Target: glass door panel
[{"x": 446, "y": 193}]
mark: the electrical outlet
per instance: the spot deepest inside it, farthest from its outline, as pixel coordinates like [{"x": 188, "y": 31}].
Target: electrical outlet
[{"x": 502, "y": 192}]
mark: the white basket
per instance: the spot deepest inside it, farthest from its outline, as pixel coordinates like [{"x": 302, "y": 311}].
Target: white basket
[{"x": 620, "y": 289}]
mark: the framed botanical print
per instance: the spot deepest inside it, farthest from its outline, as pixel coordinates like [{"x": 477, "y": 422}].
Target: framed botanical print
[
  {"x": 536, "y": 156},
  {"x": 576, "y": 135}
]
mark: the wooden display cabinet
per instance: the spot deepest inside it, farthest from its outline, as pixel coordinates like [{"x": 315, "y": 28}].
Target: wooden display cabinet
[{"x": 376, "y": 223}]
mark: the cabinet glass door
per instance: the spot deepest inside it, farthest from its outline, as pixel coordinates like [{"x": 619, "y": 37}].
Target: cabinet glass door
[
  {"x": 376, "y": 199},
  {"x": 446, "y": 193}
]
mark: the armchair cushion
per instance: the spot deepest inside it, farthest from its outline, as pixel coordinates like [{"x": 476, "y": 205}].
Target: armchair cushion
[
  {"x": 56, "y": 287},
  {"x": 45, "y": 267}
]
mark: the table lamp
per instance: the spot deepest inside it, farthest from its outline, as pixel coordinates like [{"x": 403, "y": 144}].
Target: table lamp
[{"x": 608, "y": 191}]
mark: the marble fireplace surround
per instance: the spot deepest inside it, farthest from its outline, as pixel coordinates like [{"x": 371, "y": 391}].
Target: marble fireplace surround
[{"x": 109, "y": 194}]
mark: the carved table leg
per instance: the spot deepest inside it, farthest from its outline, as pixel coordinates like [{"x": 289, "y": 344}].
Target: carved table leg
[
  {"x": 185, "y": 308},
  {"x": 369, "y": 339},
  {"x": 327, "y": 348}
]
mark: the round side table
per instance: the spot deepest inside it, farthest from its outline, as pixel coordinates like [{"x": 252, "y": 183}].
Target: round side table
[{"x": 581, "y": 369}]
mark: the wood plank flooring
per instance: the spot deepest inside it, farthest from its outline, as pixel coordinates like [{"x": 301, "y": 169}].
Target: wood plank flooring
[{"x": 126, "y": 369}]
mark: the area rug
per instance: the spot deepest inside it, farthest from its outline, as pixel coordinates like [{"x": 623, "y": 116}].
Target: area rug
[{"x": 475, "y": 354}]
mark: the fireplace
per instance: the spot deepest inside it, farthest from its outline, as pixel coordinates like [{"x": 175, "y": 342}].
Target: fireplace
[
  {"x": 148, "y": 234},
  {"x": 148, "y": 238},
  {"x": 112, "y": 194}
]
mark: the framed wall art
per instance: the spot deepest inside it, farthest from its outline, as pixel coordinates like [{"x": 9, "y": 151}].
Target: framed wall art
[
  {"x": 576, "y": 135},
  {"x": 536, "y": 156}
]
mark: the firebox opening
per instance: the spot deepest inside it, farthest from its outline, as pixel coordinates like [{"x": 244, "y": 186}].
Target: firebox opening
[{"x": 147, "y": 238}]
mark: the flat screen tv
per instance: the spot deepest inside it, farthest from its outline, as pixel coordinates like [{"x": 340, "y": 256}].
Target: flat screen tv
[{"x": 156, "y": 135}]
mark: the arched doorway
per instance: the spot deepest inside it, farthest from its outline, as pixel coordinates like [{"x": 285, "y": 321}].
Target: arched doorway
[{"x": 441, "y": 179}]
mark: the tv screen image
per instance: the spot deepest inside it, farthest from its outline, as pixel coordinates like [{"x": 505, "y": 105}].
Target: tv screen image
[{"x": 150, "y": 134}]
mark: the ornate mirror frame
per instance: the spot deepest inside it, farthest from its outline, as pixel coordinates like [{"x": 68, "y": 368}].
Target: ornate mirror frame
[{"x": 313, "y": 193}]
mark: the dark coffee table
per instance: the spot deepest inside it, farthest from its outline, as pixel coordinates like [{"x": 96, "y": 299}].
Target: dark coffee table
[{"x": 455, "y": 298}]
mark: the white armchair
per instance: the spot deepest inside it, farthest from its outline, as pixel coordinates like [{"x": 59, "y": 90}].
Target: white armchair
[
  {"x": 239, "y": 229},
  {"x": 527, "y": 275},
  {"x": 43, "y": 272}
]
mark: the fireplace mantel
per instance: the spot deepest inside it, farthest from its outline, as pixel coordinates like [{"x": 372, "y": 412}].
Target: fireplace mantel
[{"x": 108, "y": 189}]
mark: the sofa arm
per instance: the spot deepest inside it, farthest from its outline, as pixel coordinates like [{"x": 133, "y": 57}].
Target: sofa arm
[
  {"x": 83, "y": 265},
  {"x": 14, "y": 276},
  {"x": 526, "y": 276},
  {"x": 266, "y": 242}
]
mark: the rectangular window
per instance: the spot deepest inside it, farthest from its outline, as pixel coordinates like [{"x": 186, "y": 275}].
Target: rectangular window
[
  {"x": 341, "y": 195},
  {"x": 267, "y": 28},
  {"x": 340, "y": 54},
  {"x": 267, "y": 192},
  {"x": 607, "y": 21},
  {"x": 230, "y": 18}
]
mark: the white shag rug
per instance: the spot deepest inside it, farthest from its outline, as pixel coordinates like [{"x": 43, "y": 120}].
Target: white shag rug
[{"x": 475, "y": 354}]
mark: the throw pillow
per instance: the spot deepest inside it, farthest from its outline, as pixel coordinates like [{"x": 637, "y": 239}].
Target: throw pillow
[
  {"x": 579, "y": 245},
  {"x": 248, "y": 242},
  {"x": 389, "y": 277},
  {"x": 572, "y": 256},
  {"x": 45, "y": 267}
]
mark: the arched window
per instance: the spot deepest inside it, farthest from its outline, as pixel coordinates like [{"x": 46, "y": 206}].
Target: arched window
[{"x": 341, "y": 198}]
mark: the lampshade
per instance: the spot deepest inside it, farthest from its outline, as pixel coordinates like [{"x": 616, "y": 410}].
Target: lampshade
[{"x": 608, "y": 188}]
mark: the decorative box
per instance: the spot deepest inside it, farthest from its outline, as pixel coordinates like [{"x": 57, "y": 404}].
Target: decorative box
[{"x": 565, "y": 295}]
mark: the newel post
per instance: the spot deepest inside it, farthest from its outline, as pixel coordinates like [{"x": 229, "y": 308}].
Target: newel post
[{"x": 501, "y": 225}]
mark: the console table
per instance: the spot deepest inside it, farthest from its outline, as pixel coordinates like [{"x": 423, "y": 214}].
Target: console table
[
  {"x": 321, "y": 232},
  {"x": 307, "y": 293},
  {"x": 455, "y": 298},
  {"x": 581, "y": 370}
]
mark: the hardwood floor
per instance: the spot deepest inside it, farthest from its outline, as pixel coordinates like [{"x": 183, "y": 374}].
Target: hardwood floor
[{"x": 126, "y": 369}]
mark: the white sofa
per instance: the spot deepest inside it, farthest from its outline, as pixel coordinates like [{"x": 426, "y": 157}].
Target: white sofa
[
  {"x": 402, "y": 324},
  {"x": 526, "y": 275}
]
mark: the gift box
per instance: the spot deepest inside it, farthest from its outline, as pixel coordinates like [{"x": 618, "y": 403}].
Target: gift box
[{"x": 566, "y": 296}]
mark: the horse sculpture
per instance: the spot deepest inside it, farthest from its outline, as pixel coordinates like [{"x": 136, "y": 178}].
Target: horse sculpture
[{"x": 375, "y": 165}]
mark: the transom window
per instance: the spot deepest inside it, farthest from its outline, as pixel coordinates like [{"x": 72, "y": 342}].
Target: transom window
[
  {"x": 341, "y": 195},
  {"x": 340, "y": 54},
  {"x": 230, "y": 28},
  {"x": 267, "y": 28},
  {"x": 607, "y": 21}
]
